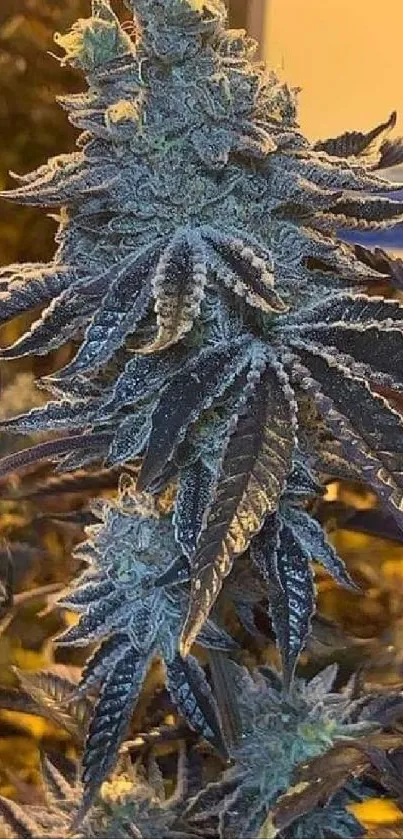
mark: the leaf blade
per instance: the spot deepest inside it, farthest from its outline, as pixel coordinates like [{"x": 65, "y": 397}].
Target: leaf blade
[{"x": 247, "y": 491}]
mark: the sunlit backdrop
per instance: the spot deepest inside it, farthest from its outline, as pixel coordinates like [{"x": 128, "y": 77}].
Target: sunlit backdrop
[{"x": 347, "y": 56}]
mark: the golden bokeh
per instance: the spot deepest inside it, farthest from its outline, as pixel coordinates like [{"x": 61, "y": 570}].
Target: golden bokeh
[{"x": 345, "y": 54}]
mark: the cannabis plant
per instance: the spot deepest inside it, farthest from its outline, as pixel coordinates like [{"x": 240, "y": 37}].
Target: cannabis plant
[
  {"x": 271, "y": 788},
  {"x": 228, "y": 347},
  {"x": 276, "y": 741},
  {"x": 133, "y": 599},
  {"x": 130, "y": 808}
]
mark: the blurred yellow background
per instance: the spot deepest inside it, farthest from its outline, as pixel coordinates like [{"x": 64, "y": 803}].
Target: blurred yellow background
[{"x": 347, "y": 55}]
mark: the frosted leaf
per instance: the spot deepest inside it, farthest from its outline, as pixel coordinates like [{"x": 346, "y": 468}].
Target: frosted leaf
[
  {"x": 356, "y": 143},
  {"x": 190, "y": 392},
  {"x": 110, "y": 720},
  {"x": 178, "y": 285},
  {"x": 253, "y": 473},
  {"x": 193, "y": 697},
  {"x": 291, "y": 598},
  {"x": 24, "y": 287}
]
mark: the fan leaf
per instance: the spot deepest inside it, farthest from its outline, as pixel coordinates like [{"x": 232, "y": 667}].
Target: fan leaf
[
  {"x": 366, "y": 426},
  {"x": 284, "y": 562},
  {"x": 310, "y": 536},
  {"x": 179, "y": 287},
  {"x": 122, "y": 308},
  {"x": 110, "y": 720},
  {"x": 358, "y": 144},
  {"x": 191, "y": 693},
  {"x": 196, "y": 485},
  {"x": 190, "y": 392},
  {"x": 56, "y": 699},
  {"x": 253, "y": 473}
]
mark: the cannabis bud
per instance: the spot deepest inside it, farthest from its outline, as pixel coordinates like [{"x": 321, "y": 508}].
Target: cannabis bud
[
  {"x": 226, "y": 341},
  {"x": 275, "y": 785}
]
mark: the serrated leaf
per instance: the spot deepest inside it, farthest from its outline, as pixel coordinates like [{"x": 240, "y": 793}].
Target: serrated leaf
[
  {"x": 179, "y": 287},
  {"x": 191, "y": 693},
  {"x": 56, "y": 699},
  {"x": 226, "y": 683},
  {"x": 362, "y": 420},
  {"x": 18, "y": 820},
  {"x": 390, "y": 768},
  {"x": 190, "y": 392},
  {"x": 104, "y": 657},
  {"x": 110, "y": 721},
  {"x": 64, "y": 180},
  {"x": 83, "y": 596},
  {"x": 379, "y": 260},
  {"x": 356, "y": 143},
  {"x": 21, "y": 702},
  {"x": 349, "y": 308},
  {"x": 130, "y": 438},
  {"x": 366, "y": 334},
  {"x": 75, "y": 482},
  {"x": 245, "y": 613},
  {"x": 214, "y": 637},
  {"x": 196, "y": 483},
  {"x": 244, "y": 271},
  {"x": 253, "y": 140},
  {"x": 365, "y": 213},
  {"x": 60, "y": 321},
  {"x": 143, "y": 376},
  {"x": 333, "y": 174},
  {"x": 83, "y": 456},
  {"x": 322, "y": 449},
  {"x": 391, "y": 153},
  {"x": 318, "y": 781},
  {"x": 118, "y": 314},
  {"x": 99, "y": 618},
  {"x": 56, "y": 785},
  {"x": 24, "y": 287},
  {"x": 63, "y": 414},
  {"x": 382, "y": 709},
  {"x": 310, "y": 535},
  {"x": 301, "y": 483},
  {"x": 52, "y": 450},
  {"x": 291, "y": 598},
  {"x": 320, "y": 685},
  {"x": 209, "y": 800},
  {"x": 299, "y": 196},
  {"x": 254, "y": 469},
  {"x": 264, "y": 546},
  {"x": 242, "y": 814}
]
